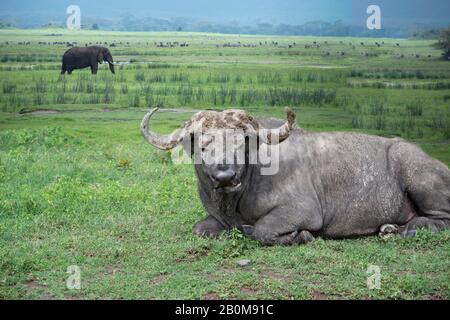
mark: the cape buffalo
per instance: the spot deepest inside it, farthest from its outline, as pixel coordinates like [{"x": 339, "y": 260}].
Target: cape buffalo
[
  {"x": 328, "y": 184},
  {"x": 82, "y": 57}
]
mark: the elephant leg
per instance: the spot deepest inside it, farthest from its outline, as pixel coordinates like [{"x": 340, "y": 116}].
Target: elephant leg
[
  {"x": 209, "y": 227},
  {"x": 94, "y": 68},
  {"x": 285, "y": 228},
  {"x": 63, "y": 67}
]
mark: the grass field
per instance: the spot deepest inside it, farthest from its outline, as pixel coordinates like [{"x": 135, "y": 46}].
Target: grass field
[{"x": 79, "y": 186}]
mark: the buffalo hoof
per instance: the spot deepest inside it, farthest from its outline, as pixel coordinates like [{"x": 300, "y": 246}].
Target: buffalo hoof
[
  {"x": 408, "y": 233},
  {"x": 246, "y": 229},
  {"x": 205, "y": 233},
  {"x": 208, "y": 227},
  {"x": 305, "y": 237},
  {"x": 296, "y": 237},
  {"x": 388, "y": 229}
]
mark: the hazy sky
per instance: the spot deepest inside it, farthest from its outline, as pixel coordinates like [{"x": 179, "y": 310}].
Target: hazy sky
[{"x": 281, "y": 11}]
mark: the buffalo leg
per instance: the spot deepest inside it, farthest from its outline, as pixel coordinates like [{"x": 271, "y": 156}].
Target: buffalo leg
[
  {"x": 209, "y": 227},
  {"x": 432, "y": 198},
  {"x": 285, "y": 228},
  {"x": 431, "y": 195},
  {"x": 427, "y": 182},
  {"x": 424, "y": 223}
]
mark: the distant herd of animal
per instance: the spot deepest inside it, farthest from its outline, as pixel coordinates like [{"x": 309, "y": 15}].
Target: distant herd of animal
[
  {"x": 172, "y": 44},
  {"x": 91, "y": 54}
]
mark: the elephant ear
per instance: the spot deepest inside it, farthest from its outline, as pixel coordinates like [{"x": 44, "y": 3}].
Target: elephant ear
[{"x": 100, "y": 57}]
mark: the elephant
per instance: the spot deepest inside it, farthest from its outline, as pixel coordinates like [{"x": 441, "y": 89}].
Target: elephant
[{"x": 82, "y": 57}]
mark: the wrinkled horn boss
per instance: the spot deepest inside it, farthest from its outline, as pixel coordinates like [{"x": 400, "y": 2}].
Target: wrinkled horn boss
[{"x": 217, "y": 120}]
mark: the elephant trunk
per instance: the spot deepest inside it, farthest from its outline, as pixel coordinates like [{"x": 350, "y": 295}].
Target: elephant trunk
[{"x": 111, "y": 65}]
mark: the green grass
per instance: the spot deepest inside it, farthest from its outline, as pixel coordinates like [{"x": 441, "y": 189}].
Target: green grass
[{"x": 79, "y": 186}]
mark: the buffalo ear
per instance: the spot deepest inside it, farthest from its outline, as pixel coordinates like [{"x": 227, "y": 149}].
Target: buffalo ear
[
  {"x": 196, "y": 148},
  {"x": 196, "y": 154},
  {"x": 188, "y": 144},
  {"x": 252, "y": 144}
]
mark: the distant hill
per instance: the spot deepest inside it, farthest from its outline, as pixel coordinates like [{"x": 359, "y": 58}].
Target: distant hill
[
  {"x": 313, "y": 28},
  {"x": 401, "y": 18}
]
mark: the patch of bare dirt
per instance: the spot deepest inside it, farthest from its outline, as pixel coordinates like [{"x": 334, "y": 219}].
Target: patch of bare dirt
[
  {"x": 317, "y": 295},
  {"x": 192, "y": 254},
  {"x": 227, "y": 269},
  {"x": 275, "y": 275},
  {"x": 211, "y": 277},
  {"x": 437, "y": 296},
  {"x": 111, "y": 119},
  {"x": 111, "y": 270},
  {"x": 248, "y": 291},
  {"x": 317, "y": 66},
  {"x": 39, "y": 111},
  {"x": 54, "y": 111},
  {"x": 34, "y": 285},
  {"x": 178, "y": 110},
  {"x": 211, "y": 296},
  {"x": 90, "y": 254},
  {"x": 158, "y": 279}
]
